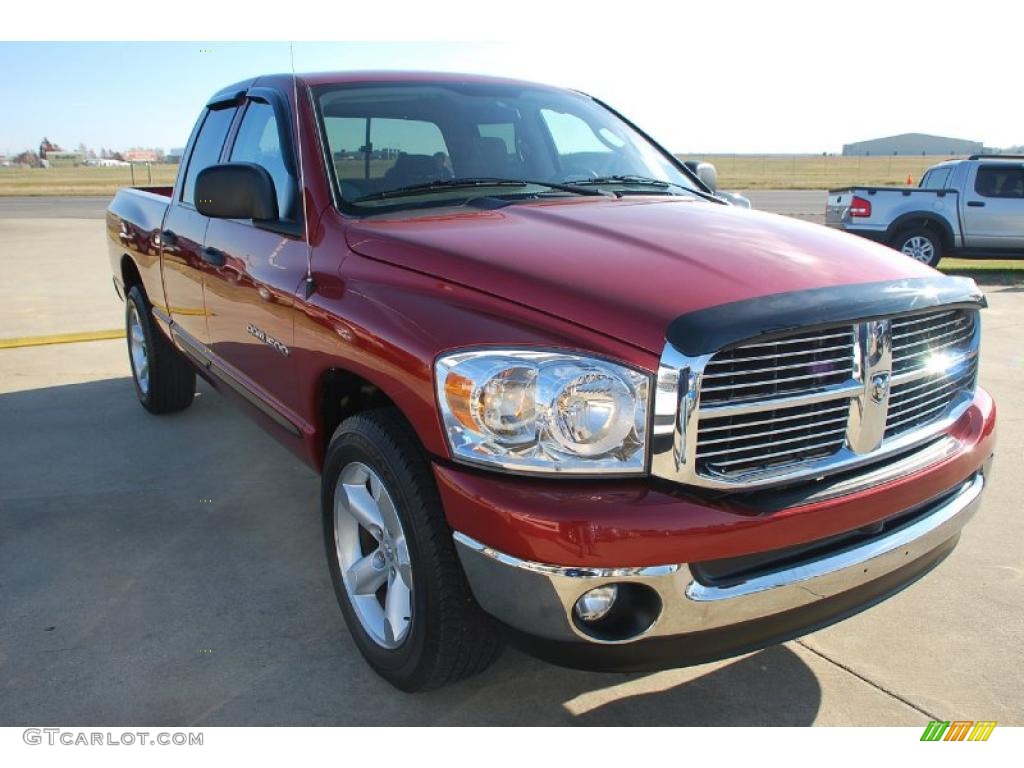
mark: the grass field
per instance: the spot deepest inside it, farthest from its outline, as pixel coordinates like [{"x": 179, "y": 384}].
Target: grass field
[
  {"x": 81, "y": 180},
  {"x": 815, "y": 171},
  {"x": 734, "y": 172},
  {"x": 986, "y": 271}
]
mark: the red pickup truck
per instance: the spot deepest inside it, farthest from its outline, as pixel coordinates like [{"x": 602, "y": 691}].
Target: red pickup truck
[{"x": 557, "y": 390}]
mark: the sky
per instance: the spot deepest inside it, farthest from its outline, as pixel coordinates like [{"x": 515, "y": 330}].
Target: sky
[{"x": 768, "y": 85}]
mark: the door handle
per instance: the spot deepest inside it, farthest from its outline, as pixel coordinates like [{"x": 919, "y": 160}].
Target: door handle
[
  {"x": 213, "y": 256},
  {"x": 168, "y": 238},
  {"x": 976, "y": 203}
]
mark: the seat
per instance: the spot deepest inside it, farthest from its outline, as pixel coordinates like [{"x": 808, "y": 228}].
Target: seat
[
  {"x": 490, "y": 158},
  {"x": 412, "y": 169}
]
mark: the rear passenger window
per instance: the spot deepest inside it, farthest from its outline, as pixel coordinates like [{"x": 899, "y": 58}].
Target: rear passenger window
[
  {"x": 259, "y": 141},
  {"x": 504, "y": 131},
  {"x": 936, "y": 179},
  {"x": 400, "y": 152},
  {"x": 1000, "y": 181},
  {"x": 571, "y": 134},
  {"x": 207, "y": 147}
]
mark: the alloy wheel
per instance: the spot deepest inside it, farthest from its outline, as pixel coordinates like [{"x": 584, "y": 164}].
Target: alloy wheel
[
  {"x": 138, "y": 351},
  {"x": 373, "y": 555},
  {"x": 920, "y": 248}
]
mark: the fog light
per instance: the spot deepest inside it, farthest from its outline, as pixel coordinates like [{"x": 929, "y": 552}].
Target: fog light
[{"x": 596, "y": 603}]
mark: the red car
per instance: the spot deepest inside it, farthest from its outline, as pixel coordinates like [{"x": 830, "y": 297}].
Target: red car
[{"x": 558, "y": 390}]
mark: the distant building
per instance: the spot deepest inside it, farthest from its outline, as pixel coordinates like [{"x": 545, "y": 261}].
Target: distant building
[
  {"x": 106, "y": 162},
  {"x": 51, "y": 155},
  {"x": 174, "y": 154},
  {"x": 63, "y": 159},
  {"x": 914, "y": 144},
  {"x": 46, "y": 146},
  {"x": 141, "y": 156}
]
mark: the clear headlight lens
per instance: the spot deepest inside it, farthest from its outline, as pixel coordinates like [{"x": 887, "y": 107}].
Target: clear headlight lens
[{"x": 531, "y": 411}]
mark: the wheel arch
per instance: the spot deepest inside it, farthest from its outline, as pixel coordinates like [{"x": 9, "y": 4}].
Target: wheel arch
[
  {"x": 925, "y": 220},
  {"x": 130, "y": 275},
  {"x": 341, "y": 393}
]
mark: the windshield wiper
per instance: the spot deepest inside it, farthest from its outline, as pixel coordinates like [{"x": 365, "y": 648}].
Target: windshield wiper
[
  {"x": 633, "y": 180},
  {"x": 626, "y": 178},
  {"x": 444, "y": 184}
]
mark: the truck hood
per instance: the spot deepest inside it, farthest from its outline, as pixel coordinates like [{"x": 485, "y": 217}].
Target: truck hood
[{"x": 625, "y": 267}]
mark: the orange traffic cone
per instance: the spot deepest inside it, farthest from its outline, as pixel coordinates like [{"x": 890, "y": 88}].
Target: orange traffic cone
[{"x": 910, "y": 181}]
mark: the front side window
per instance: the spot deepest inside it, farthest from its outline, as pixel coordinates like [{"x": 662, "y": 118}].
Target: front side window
[
  {"x": 259, "y": 141},
  {"x": 999, "y": 181},
  {"x": 433, "y": 144},
  {"x": 206, "y": 148}
]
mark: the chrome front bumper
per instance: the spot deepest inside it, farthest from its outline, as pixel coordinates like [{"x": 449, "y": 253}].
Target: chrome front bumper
[{"x": 538, "y": 599}]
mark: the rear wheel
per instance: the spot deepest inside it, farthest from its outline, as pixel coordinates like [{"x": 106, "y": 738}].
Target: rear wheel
[
  {"x": 164, "y": 381},
  {"x": 392, "y": 559},
  {"x": 921, "y": 244}
]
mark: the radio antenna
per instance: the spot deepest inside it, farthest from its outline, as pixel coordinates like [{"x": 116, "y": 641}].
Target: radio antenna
[{"x": 308, "y": 282}]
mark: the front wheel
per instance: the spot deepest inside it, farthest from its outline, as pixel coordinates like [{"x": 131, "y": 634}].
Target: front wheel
[
  {"x": 921, "y": 244},
  {"x": 392, "y": 560}
]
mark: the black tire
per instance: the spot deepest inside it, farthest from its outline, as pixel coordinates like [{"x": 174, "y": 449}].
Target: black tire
[
  {"x": 449, "y": 636},
  {"x": 920, "y": 243},
  {"x": 171, "y": 383}
]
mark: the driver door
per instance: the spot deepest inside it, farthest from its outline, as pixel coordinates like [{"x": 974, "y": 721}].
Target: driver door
[{"x": 256, "y": 270}]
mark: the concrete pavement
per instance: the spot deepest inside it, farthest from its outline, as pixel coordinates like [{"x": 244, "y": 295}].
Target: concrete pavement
[
  {"x": 28, "y": 207},
  {"x": 56, "y": 277},
  {"x": 806, "y": 204}
]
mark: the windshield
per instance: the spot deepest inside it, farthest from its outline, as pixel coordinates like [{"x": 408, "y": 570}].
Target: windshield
[{"x": 394, "y": 145}]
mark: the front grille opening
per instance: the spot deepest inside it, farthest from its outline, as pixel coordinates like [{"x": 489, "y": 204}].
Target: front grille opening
[
  {"x": 732, "y": 571},
  {"x": 920, "y": 402},
  {"x": 920, "y": 342},
  {"x": 771, "y": 368},
  {"x": 764, "y": 439},
  {"x": 934, "y": 356},
  {"x": 917, "y": 339}
]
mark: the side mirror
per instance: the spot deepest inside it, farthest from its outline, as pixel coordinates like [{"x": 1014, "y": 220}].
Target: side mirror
[
  {"x": 236, "y": 191},
  {"x": 707, "y": 173}
]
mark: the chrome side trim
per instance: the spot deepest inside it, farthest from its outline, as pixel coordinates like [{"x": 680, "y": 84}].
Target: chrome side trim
[
  {"x": 202, "y": 358},
  {"x": 538, "y": 598}
]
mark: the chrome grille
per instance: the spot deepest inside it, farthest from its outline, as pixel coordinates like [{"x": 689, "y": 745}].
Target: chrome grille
[
  {"x": 781, "y": 436},
  {"x": 770, "y": 368},
  {"x": 918, "y": 338},
  {"x": 814, "y": 402},
  {"x": 918, "y": 344}
]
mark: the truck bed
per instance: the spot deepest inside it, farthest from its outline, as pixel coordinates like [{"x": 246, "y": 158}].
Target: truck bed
[
  {"x": 887, "y": 205},
  {"x": 134, "y": 217}
]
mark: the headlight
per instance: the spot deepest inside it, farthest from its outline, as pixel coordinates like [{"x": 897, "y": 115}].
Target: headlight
[{"x": 532, "y": 411}]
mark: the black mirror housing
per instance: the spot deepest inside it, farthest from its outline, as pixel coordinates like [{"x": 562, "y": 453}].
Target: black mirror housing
[{"x": 236, "y": 191}]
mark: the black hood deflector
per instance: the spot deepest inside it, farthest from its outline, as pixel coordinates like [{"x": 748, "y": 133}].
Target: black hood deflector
[{"x": 716, "y": 328}]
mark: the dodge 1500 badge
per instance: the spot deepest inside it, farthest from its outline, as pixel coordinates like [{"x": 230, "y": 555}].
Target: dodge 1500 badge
[{"x": 556, "y": 390}]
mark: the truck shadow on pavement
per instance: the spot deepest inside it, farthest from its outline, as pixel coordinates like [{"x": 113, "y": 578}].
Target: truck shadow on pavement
[{"x": 170, "y": 571}]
